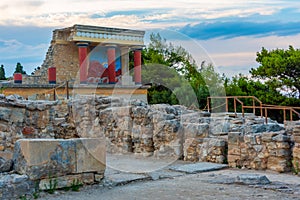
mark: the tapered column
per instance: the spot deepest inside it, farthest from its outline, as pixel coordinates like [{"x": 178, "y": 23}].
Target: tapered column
[
  {"x": 125, "y": 60},
  {"x": 83, "y": 61},
  {"x": 137, "y": 66},
  {"x": 111, "y": 59}
]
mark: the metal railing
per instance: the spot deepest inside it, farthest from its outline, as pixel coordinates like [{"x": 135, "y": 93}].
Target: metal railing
[{"x": 262, "y": 107}]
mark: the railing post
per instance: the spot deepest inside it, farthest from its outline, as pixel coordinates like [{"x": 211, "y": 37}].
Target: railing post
[
  {"x": 253, "y": 104},
  {"x": 67, "y": 87},
  {"x": 291, "y": 114},
  {"x": 284, "y": 115},
  {"x": 266, "y": 115},
  {"x": 234, "y": 105},
  {"x": 208, "y": 107},
  {"x": 226, "y": 102},
  {"x": 243, "y": 112},
  {"x": 54, "y": 95}
]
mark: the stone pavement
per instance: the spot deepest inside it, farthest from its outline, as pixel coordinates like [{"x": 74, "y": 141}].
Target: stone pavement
[{"x": 183, "y": 180}]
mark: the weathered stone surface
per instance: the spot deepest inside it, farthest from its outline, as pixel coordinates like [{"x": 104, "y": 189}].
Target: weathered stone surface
[
  {"x": 5, "y": 165},
  {"x": 90, "y": 155},
  {"x": 13, "y": 186},
  {"x": 123, "y": 178},
  {"x": 252, "y": 179},
  {"x": 41, "y": 158},
  {"x": 61, "y": 181},
  {"x": 198, "y": 167}
]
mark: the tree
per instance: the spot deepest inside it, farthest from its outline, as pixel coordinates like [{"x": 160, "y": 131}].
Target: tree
[
  {"x": 2, "y": 73},
  {"x": 174, "y": 75},
  {"x": 19, "y": 69},
  {"x": 280, "y": 68}
]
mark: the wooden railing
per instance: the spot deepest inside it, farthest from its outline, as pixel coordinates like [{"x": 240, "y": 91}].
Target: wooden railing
[{"x": 262, "y": 107}]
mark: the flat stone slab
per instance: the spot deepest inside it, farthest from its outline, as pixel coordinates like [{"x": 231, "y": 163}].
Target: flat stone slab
[
  {"x": 123, "y": 178},
  {"x": 198, "y": 167},
  {"x": 252, "y": 179},
  {"x": 162, "y": 174}
]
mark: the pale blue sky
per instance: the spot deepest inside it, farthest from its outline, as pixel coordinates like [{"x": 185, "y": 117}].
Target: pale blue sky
[{"x": 228, "y": 32}]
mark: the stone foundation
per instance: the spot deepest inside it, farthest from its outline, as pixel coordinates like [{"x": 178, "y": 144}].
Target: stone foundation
[{"x": 269, "y": 150}]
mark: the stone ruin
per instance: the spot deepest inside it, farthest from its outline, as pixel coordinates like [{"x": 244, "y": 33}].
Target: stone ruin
[{"x": 40, "y": 139}]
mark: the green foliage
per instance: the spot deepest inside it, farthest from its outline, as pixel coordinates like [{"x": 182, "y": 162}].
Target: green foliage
[
  {"x": 280, "y": 68},
  {"x": 36, "y": 193},
  {"x": 52, "y": 185},
  {"x": 23, "y": 197},
  {"x": 76, "y": 184},
  {"x": 19, "y": 69},
  {"x": 175, "y": 77},
  {"x": 295, "y": 167},
  {"x": 2, "y": 73}
]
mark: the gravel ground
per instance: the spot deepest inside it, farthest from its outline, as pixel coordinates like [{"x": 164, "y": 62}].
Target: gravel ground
[{"x": 209, "y": 185}]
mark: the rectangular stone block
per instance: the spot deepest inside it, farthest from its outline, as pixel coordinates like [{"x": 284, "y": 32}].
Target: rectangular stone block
[
  {"x": 99, "y": 177},
  {"x": 44, "y": 158},
  {"x": 235, "y": 138},
  {"x": 60, "y": 182},
  {"x": 41, "y": 158},
  {"x": 296, "y": 139},
  {"x": 267, "y": 136},
  {"x": 278, "y": 164}
]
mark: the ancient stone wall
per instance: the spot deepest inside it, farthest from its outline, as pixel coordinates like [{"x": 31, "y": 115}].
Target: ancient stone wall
[
  {"x": 296, "y": 149},
  {"x": 24, "y": 119},
  {"x": 161, "y": 131},
  {"x": 268, "y": 150}
]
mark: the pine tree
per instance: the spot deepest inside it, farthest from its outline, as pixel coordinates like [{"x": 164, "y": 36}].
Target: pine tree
[
  {"x": 19, "y": 69},
  {"x": 2, "y": 73}
]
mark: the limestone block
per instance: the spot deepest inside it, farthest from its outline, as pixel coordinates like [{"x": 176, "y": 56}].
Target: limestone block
[
  {"x": 234, "y": 138},
  {"x": 296, "y": 152},
  {"x": 297, "y": 138},
  {"x": 99, "y": 177},
  {"x": 61, "y": 182},
  {"x": 278, "y": 164},
  {"x": 267, "y": 136},
  {"x": 281, "y": 138},
  {"x": 41, "y": 158},
  {"x": 234, "y": 150},
  {"x": 90, "y": 155},
  {"x": 283, "y": 145}
]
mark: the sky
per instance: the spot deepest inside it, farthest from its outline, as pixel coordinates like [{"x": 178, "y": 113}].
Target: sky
[{"x": 225, "y": 33}]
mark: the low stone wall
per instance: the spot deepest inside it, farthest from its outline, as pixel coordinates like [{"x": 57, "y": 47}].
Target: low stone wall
[
  {"x": 268, "y": 150},
  {"x": 24, "y": 119},
  {"x": 162, "y": 131},
  {"x": 45, "y": 162},
  {"x": 296, "y": 149}
]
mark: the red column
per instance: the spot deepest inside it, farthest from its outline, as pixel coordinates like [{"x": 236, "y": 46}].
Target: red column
[
  {"x": 52, "y": 75},
  {"x": 111, "y": 57},
  {"x": 17, "y": 77},
  {"x": 138, "y": 67},
  {"x": 83, "y": 61}
]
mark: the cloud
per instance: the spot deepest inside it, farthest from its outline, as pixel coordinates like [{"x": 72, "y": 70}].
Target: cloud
[
  {"x": 233, "y": 29},
  {"x": 147, "y": 14}
]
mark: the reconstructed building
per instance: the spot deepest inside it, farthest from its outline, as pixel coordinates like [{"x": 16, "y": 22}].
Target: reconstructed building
[{"x": 86, "y": 56}]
